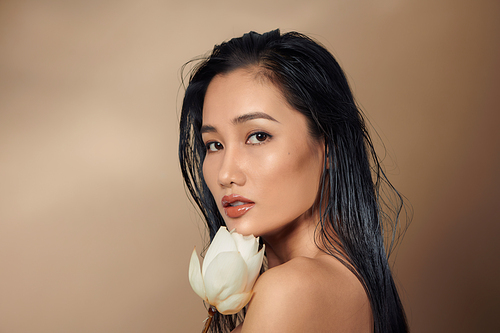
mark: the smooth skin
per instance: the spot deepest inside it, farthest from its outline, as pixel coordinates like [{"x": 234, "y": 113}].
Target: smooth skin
[{"x": 259, "y": 147}]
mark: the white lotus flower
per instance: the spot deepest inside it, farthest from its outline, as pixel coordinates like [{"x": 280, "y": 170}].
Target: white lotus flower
[{"x": 229, "y": 271}]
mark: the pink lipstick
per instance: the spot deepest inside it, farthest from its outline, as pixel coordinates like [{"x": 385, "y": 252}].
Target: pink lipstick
[{"x": 236, "y": 205}]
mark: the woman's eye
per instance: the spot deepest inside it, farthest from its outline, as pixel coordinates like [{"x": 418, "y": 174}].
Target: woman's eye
[
  {"x": 258, "y": 138},
  {"x": 214, "y": 146}
]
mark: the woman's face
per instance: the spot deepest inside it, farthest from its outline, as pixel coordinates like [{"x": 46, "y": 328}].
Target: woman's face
[{"x": 262, "y": 166}]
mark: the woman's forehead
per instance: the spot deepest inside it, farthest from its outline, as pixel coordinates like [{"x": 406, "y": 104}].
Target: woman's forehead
[{"x": 240, "y": 92}]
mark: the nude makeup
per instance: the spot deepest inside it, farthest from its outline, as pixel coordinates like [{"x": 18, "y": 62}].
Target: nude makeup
[{"x": 259, "y": 146}]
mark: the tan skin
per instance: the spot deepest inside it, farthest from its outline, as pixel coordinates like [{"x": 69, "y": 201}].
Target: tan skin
[{"x": 260, "y": 147}]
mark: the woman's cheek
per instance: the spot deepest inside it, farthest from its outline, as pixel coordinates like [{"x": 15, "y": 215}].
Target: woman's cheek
[
  {"x": 267, "y": 163},
  {"x": 208, "y": 172}
]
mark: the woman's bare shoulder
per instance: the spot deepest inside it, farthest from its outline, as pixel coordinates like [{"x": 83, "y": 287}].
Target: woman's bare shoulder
[{"x": 306, "y": 295}]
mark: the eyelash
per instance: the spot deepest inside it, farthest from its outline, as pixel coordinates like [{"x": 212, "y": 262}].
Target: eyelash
[
  {"x": 209, "y": 144},
  {"x": 267, "y": 136}
]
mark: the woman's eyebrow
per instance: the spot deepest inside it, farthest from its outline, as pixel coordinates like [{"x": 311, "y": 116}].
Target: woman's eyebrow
[
  {"x": 207, "y": 129},
  {"x": 238, "y": 120},
  {"x": 251, "y": 116}
]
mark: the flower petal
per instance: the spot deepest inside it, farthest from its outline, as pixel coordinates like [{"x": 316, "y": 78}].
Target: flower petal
[
  {"x": 233, "y": 304},
  {"x": 195, "y": 278},
  {"x": 222, "y": 242},
  {"x": 226, "y": 275},
  {"x": 247, "y": 245},
  {"x": 253, "y": 265}
]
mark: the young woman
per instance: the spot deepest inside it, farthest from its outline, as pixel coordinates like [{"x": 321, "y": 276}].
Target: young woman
[{"x": 273, "y": 144}]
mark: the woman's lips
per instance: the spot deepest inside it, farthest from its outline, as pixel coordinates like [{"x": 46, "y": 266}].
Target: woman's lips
[{"x": 236, "y": 205}]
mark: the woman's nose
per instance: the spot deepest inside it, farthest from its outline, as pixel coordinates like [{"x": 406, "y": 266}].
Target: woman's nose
[{"x": 231, "y": 172}]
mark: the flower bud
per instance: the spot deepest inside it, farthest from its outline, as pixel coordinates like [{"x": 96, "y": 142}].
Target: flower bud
[{"x": 230, "y": 268}]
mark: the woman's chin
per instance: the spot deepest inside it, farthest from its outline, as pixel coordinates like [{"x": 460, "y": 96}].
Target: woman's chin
[{"x": 240, "y": 228}]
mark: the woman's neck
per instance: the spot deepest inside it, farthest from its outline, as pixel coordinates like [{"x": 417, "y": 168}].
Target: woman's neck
[{"x": 295, "y": 240}]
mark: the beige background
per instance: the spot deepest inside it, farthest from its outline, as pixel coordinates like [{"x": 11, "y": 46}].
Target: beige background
[{"x": 95, "y": 227}]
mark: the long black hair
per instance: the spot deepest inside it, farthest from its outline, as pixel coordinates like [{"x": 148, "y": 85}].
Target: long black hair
[{"x": 359, "y": 206}]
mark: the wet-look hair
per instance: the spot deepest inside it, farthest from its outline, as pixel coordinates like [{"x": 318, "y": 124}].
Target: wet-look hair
[{"x": 360, "y": 210}]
